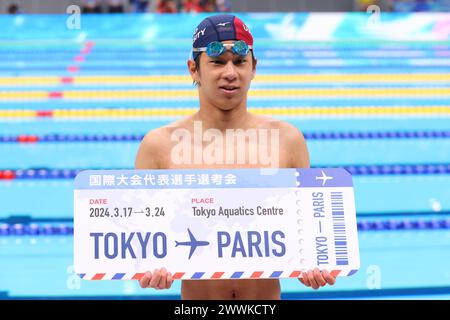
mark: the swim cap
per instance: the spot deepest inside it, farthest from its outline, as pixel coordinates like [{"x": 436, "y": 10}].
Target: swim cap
[{"x": 220, "y": 27}]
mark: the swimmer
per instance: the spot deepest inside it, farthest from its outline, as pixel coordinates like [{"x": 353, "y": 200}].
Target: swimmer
[{"x": 222, "y": 67}]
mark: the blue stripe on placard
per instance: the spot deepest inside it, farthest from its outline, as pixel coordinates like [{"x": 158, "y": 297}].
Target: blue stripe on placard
[
  {"x": 197, "y": 275},
  {"x": 118, "y": 276},
  {"x": 237, "y": 275},
  {"x": 352, "y": 272},
  {"x": 208, "y": 178},
  {"x": 276, "y": 274}
]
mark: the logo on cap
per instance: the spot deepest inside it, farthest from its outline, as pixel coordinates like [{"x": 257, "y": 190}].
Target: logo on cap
[{"x": 198, "y": 34}]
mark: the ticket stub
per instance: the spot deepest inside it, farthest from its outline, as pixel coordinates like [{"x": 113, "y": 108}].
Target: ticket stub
[{"x": 214, "y": 224}]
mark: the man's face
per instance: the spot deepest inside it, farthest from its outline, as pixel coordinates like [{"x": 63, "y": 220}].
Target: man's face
[{"x": 225, "y": 80}]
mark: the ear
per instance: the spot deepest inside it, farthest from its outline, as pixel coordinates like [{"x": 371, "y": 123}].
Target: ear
[
  {"x": 254, "y": 69},
  {"x": 193, "y": 71}
]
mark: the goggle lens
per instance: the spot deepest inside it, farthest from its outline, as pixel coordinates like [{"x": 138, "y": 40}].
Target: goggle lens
[{"x": 216, "y": 48}]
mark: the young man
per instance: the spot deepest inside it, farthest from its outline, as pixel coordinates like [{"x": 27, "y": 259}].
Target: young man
[{"x": 223, "y": 67}]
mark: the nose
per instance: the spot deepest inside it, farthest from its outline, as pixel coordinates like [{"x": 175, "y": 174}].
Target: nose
[{"x": 230, "y": 73}]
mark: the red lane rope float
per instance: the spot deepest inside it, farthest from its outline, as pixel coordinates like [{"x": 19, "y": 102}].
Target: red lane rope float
[{"x": 27, "y": 139}]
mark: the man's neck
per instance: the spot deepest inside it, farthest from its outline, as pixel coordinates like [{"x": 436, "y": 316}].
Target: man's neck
[{"x": 213, "y": 117}]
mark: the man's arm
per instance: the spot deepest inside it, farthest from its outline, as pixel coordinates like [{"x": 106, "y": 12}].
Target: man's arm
[
  {"x": 148, "y": 157},
  {"x": 296, "y": 144},
  {"x": 300, "y": 159}
]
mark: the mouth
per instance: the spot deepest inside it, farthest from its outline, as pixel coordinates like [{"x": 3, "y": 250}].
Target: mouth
[{"x": 229, "y": 89}]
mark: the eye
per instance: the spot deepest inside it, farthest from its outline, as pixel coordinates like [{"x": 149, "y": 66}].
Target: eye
[
  {"x": 240, "y": 61},
  {"x": 216, "y": 62}
]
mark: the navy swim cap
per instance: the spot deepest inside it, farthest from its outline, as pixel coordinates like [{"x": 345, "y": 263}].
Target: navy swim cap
[{"x": 220, "y": 27}]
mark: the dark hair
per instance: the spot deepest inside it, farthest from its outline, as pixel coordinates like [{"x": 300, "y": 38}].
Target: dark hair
[
  {"x": 197, "y": 63},
  {"x": 13, "y": 8}
]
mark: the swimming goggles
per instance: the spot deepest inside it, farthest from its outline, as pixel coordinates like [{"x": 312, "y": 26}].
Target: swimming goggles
[{"x": 216, "y": 48}]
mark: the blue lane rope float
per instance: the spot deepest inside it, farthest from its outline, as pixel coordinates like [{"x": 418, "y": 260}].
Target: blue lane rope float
[
  {"x": 34, "y": 229},
  {"x": 66, "y": 229},
  {"x": 356, "y": 170},
  {"x": 308, "y": 135},
  {"x": 397, "y": 169},
  {"x": 378, "y": 135}
]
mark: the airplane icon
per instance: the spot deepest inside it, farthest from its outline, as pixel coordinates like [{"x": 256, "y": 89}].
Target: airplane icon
[
  {"x": 324, "y": 178},
  {"x": 193, "y": 243},
  {"x": 223, "y": 24}
]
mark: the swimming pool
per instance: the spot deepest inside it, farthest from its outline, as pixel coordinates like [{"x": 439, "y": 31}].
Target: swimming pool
[{"x": 70, "y": 102}]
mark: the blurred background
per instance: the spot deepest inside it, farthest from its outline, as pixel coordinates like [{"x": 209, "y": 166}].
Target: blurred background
[
  {"x": 367, "y": 82},
  {"x": 198, "y": 6}
]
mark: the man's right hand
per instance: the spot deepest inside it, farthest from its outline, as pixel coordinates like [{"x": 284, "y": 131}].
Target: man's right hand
[{"x": 159, "y": 279}]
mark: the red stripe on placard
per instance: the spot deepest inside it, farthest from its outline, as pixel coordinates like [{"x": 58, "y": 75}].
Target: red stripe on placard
[
  {"x": 257, "y": 274},
  {"x": 335, "y": 273},
  {"x": 217, "y": 275},
  {"x": 178, "y": 275},
  {"x": 98, "y": 276},
  {"x": 138, "y": 276}
]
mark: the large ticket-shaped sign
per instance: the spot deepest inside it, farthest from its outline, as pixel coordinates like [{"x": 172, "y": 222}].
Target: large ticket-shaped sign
[{"x": 214, "y": 224}]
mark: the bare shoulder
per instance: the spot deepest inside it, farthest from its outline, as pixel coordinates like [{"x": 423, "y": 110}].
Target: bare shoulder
[
  {"x": 154, "y": 146},
  {"x": 288, "y": 132},
  {"x": 292, "y": 139},
  {"x": 149, "y": 150}
]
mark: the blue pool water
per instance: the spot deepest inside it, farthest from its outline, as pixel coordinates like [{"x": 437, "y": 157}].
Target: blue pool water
[{"x": 395, "y": 264}]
